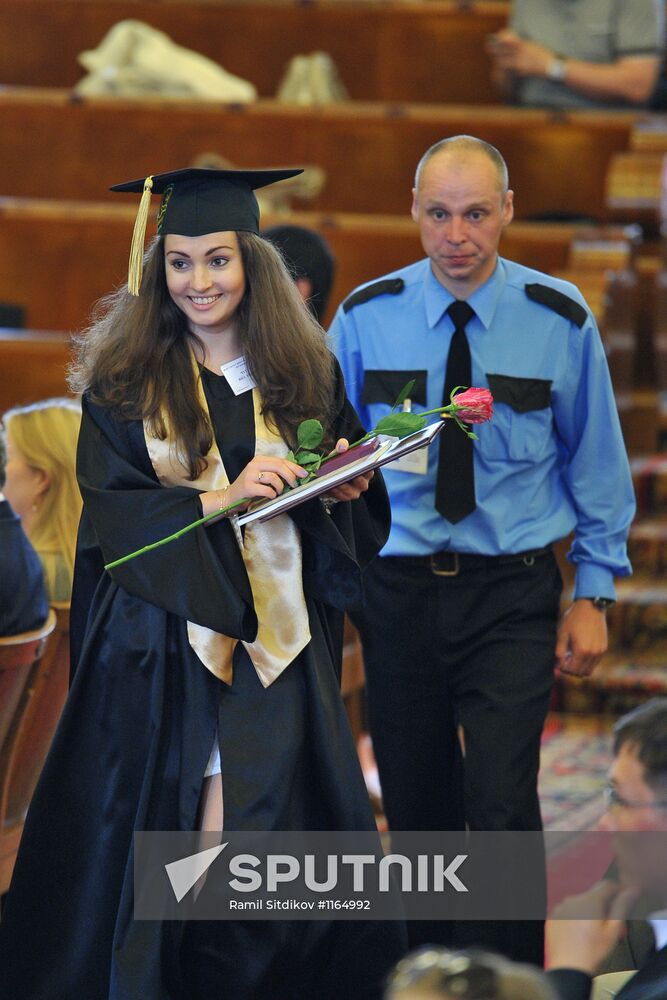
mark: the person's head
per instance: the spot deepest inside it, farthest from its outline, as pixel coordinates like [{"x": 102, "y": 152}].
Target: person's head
[
  {"x": 41, "y": 481},
  {"x": 637, "y": 796},
  {"x": 461, "y": 203},
  {"x": 310, "y": 260},
  {"x": 435, "y": 973},
  {"x": 208, "y": 274}
]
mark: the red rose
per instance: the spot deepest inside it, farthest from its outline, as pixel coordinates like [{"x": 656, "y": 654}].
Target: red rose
[{"x": 474, "y": 406}]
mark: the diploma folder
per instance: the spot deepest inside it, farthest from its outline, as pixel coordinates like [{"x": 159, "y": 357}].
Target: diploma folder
[{"x": 378, "y": 451}]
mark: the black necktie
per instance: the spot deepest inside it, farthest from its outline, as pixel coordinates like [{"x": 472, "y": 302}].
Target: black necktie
[{"x": 455, "y": 484}]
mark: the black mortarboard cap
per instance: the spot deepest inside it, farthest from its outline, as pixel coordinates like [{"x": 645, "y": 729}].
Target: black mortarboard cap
[{"x": 197, "y": 201}]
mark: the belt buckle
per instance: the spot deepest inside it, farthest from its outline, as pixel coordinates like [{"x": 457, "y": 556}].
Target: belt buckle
[{"x": 445, "y": 572}]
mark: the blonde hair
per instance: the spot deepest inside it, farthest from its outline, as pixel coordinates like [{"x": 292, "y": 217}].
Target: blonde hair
[{"x": 46, "y": 434}]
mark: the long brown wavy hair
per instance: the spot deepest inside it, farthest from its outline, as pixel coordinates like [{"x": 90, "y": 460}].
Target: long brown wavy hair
[{"x": 136, "y": 355}]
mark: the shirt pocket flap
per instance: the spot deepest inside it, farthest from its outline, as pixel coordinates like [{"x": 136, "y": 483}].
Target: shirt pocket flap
[
  {"x": 385, "y": 386},
  {"x": 522, "y": 394}
]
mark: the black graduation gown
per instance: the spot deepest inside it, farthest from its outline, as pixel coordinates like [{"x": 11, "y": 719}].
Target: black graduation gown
[{"x": 141, "y": 717}]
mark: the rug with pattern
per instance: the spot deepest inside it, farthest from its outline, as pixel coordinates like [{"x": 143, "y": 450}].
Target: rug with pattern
[{"x": 575, "y": 759}]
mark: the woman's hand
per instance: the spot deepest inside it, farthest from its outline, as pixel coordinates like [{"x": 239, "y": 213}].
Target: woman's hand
[
  {"x": 356, "y": 486},
  {"x": 263, "y": 477}
]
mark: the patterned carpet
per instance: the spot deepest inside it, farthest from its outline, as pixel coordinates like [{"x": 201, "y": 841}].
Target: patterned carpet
[{"x": 576, "y": 755}]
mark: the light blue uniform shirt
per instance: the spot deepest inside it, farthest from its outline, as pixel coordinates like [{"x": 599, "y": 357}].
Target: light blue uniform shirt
[{"x": 552, "y": 458}]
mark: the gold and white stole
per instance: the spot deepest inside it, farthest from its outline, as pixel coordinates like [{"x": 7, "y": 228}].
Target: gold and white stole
[{"x": 271, "y": 553}]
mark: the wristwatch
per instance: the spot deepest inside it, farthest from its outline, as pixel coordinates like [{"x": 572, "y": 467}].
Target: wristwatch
[
  {"x": 556, "y": 69},
  {"x": 601, "y": 603}
]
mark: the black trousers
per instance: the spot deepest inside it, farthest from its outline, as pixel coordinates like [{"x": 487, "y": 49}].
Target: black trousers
[{"x": 475, "y": 650}]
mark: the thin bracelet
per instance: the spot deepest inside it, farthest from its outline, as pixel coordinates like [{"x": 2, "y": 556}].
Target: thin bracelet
[{"x": 221, "y": 494}]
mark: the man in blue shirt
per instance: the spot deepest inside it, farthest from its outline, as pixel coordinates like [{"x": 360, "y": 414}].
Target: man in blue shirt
[{"x": 461, "y": 626}]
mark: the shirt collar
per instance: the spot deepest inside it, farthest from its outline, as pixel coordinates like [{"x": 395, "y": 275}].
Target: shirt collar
[{"x": 484, "y": 300}]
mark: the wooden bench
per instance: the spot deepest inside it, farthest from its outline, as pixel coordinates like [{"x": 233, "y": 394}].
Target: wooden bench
[
  {"x": 53, "y": 145},
  {"x": 32, "y": 366},
  {"x": 390, "y": 51},
  {"x": 21, "y": 667},
  {"x": 33, "y": 362},
  {"x": 49, "y": 685},
  {"x": 634, "y": 189},
  {"x": 637, "y": 177},
  {"x": 84, "y": 248}
]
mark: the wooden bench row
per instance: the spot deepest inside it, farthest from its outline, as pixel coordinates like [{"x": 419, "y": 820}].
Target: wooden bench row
[
  {"x": 33, "y": 366},
  {"x": 52, "y": 145},
  {"x": 58, "y": 257},
  {"x": 34, "y": 678},
  {"x": 389, "y": 51}
]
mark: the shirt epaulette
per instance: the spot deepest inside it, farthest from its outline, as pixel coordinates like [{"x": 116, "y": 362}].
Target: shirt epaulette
[
  {"x": 388, "y": 286},
  {"x": 559, "y": 302}
]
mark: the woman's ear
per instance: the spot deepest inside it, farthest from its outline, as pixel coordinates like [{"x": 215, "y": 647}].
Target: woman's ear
[{"x": 43, "y": 480}]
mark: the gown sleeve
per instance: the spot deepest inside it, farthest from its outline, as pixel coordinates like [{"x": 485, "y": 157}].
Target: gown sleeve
[
  {"x": 337, "y": 546},
  {"x": 199, "y": 577}
]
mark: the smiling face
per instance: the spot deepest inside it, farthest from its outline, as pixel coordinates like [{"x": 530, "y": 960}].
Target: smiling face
[
  {"x": 206, "y": 279},
  {"x": 461, "y": 210}
]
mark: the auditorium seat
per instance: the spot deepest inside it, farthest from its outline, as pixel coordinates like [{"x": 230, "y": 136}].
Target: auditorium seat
[
  {"x": 21, "y": 658},
  {"x": 48, "y": 691}
]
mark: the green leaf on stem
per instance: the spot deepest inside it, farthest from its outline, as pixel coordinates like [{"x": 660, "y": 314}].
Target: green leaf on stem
[
  {"x": 464, "y": 427},
  {"x": 404, "y": 394},
  {"x": 400, "y": 424},
  {"x": 308, "y": 459},
  {"x": 309, "y": 434}
]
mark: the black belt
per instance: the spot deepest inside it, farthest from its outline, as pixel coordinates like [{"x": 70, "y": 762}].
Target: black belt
[{"x": 452, "y": 563}]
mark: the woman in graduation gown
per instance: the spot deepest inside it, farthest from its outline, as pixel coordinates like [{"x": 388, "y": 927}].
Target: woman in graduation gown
[{"x": 206, "y": 671}]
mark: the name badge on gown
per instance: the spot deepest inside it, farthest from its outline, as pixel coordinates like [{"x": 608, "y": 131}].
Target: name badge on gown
[{"x": 239, "y": 378}]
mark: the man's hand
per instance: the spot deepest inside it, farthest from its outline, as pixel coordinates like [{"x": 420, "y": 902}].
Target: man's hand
[
  {"x": 629, "y": 78},
  {"x": 582, "y": 639},
  {"x": 583, "y": 929},
  {"x": 516, "y": 55}
]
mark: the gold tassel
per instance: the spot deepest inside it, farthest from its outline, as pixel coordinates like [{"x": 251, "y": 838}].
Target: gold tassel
[{"x": 136, "y": 267}]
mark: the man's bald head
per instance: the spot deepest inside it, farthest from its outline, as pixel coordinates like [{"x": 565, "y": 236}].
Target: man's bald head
[{"x": 462, "y": 147}]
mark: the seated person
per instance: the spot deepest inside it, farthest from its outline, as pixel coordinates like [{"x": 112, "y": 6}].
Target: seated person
[
  {"x": 583, "y": 929},
  {"x": 23, "y": 604},
  {"x": 580, "y": 53},
  {"x": 310, "y": 260},
  {"x": 434, "y": 973},
  {"x": 41, "y": 484}
]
